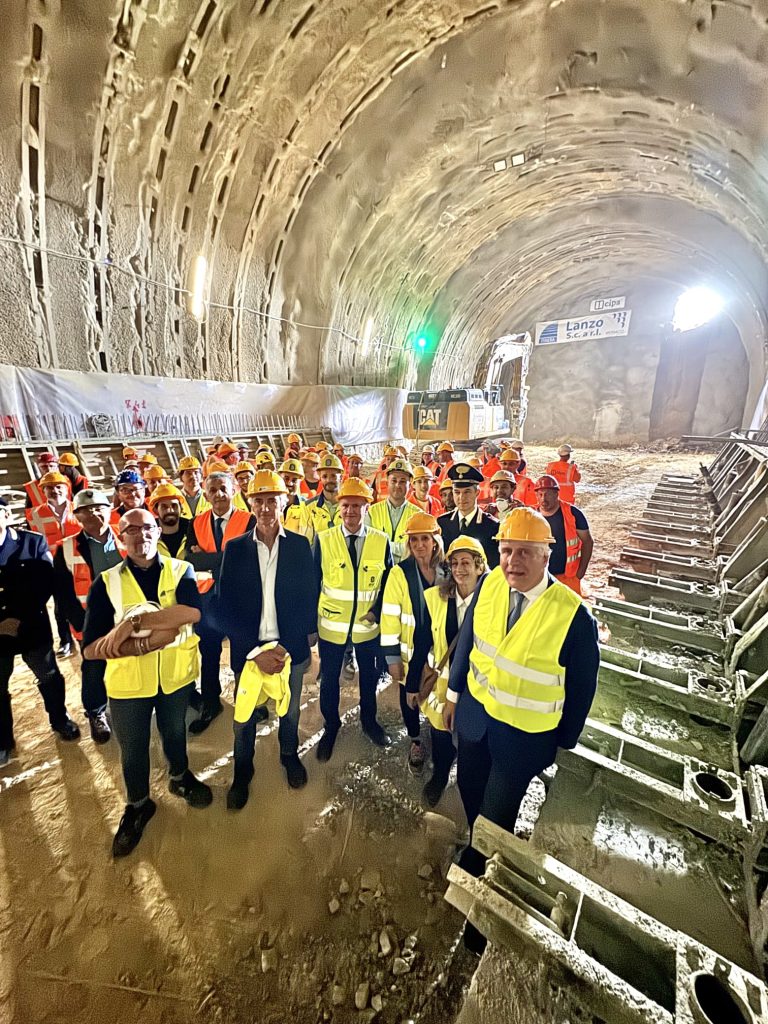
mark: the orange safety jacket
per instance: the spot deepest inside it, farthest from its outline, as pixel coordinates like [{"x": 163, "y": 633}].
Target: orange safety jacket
[
  {"x": 203, "y": 527},
  {"x": 488, "y": 468},
  {"x": 43, "y": 520},
  {"x": 309, "y": 494},
  {"x": 433, "y": 506},
  {"x": 525, "y": 490},
  {"x": 80, "y": 570},
  {"x": 572, "y": 541},
  {"x": 567, "y": 475},
  {"x": 379, "y": 484}
]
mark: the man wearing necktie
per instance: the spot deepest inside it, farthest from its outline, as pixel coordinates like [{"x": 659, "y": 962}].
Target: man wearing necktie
[
  {"x": 211, "y": 531},
  {"x": 468, "y": 520},
  {"x": 352, "y": 561},
  {"x": 522, "y": 679}
]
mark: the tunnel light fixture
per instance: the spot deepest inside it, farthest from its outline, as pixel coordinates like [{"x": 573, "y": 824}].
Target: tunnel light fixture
[
  {"x": 696, "y": 307},
  {"x": 518, "y": 159},
  {"x": 196, "y": 290},
  {"x": 500, "y": 165},
  {"x": 367, "y": 335}
]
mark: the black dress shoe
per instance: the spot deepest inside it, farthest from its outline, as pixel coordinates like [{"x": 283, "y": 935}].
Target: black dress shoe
[
  {"x": 433, "y": 790},
  {"x": 207, "y": 715},
  {"x": 326, "y": 744},
  {"x": 66, "y": 728},
  {"x": 195, "y": 792},
  {"x": 294, "y": 769},
  {"x": 99, "y": 726},
  {"x": 131, "y": 828},
  {"x": 376, "y": 734},
  {"x": 237, "y": 796}
]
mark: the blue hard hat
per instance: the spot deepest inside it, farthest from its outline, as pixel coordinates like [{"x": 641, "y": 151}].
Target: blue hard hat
[{"x": 129, "y": 476}]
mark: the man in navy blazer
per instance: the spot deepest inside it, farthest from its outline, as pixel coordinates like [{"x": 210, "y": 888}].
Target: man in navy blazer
[
  {"x": 468, "y": 520},
  {"x": 266, "y": 592}
]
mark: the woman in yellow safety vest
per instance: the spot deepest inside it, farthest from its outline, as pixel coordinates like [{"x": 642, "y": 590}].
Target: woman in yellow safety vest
[
  {"x": 404, "y": 619},
  {"x": 447, "y": 605}
]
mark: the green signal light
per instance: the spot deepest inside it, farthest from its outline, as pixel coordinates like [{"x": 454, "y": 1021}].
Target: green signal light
[{"x": 421, "y": 343}]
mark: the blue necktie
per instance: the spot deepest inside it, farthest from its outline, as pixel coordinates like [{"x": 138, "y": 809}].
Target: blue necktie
[
  {"x": 516, "y": 609},
  {"x": 218, "y": 533}
]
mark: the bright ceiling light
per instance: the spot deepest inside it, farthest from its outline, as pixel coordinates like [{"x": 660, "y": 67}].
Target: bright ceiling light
[
  {"x": 196, "y": 289},
  {"x": 500, "y": 165},
  {"x": 696, "y": 307},
  {"x": 518, "y": 159}
]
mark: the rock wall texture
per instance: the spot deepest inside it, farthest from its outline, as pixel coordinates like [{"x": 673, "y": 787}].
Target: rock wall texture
[{"x": 359, "y": 173}]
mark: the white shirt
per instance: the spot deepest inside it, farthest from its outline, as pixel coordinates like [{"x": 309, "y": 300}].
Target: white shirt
[
  {"x": 268, "y": 627},
  {"x": 360, "y": 536},
  {"x": 462, "y": 604}
]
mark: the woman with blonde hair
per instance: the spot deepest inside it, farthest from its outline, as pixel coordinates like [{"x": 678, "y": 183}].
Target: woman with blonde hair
[
  {"x": 447, "y": 605},
  {"x": 404, "y": 617}
]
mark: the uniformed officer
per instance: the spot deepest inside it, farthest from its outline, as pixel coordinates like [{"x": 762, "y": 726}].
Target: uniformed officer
[{"x": 468, "y": 520}]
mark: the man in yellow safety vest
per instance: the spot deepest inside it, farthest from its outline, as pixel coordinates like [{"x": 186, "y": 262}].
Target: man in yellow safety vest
[{"x": 392, "y": 514}]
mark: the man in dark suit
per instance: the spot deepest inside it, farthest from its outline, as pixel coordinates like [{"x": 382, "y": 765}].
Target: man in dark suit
[
  {"x": 26, "y": 584},
  {"x": 522, "y": 679},
  {"x": 267, "y": 592},
  {"x": 469, "y": 520}
]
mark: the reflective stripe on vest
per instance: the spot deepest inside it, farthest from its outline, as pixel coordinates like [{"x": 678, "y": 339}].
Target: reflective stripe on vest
[
  {"x": 43, "y": 520},
  {"x": 572, "y": 540},
  {"x": 379, "y": 518},
  {"x": 236, "y": 525},
  {"x": 168, "y": 669},
  {"x": 34, "y": 493},
  {"x": 338, "y": 598},
  {"x": 438, "y": 613},
  {"x": 398, "y": 623},
  {"x": 516, "y": 675}
]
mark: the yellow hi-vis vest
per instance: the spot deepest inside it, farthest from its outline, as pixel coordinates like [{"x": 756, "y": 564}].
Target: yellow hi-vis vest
[
  {"x": 337, "y": 597},
  {"x": 320, "y": 515},
  {"x": 438, "y": 613},
  {"x": 378, "y": 516},
  {"x": 515, "y": 675},
  {"x": 298, "y": 519},
  {"x": 202, "y": 505},
  {"x": 256, "y": 687},
  {"x": 398, "y": 623},
  {"x": 168, "y": 669}
]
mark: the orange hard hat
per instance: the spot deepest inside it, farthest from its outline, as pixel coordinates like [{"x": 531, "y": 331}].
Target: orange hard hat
[
  {"x": 68, "y": 459},
  {"x": 355, "y": 488},
  {"x": 265, "y": 481},
  {"x": 188, "y": 462},
  {"x": 154, "y": 473},
  {"x": 51, "y": 479},
  {"x": 226, "y": 449},
  {"x": 547, "y": 483},
  {"x": 422, "y": 522},
  {"x": 354, "y": 457},
  {"x": 130, "y": 453},
  {"x": 292, "y": 466},
  {"x": 525, "y": 525},
  {"x": 165, "y": 492},
  {"x": 217, "y": 466}
]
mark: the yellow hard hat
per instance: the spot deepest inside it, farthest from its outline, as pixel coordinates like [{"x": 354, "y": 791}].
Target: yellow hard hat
[
  {"x": 264, "y": 448},
  {"x": 338, "y": 447},
  {"x": 265, "y": 460},
  {"x": 68, "y": 459},
  {"x": 148, "y": 457},
  {"x": 354, "y": 457},
  {"x": 154, "y": 472},
  {"x": 400, "y": 466},
  {"x": 526, "y": 525},
  {"x": 217, "y": 466},
  {"x": 322, "y": 446},
  {"x": 165, "y": 492},
  {"x": 294, "y": 439},
  {"x": 389, "y": 450},
  {"x": 355, "y": 488},
  {"x": 465, "y": 543},
  {"x": 502, "y": 476},
  {"x": 446, "y": 446},
  {"x": 292, "y": 466},
  {"x": 474, "y": 461},
  {"x": 265, "y": 481},
  {"x": 445, "y": 484},
  {"x": 509, "y": 455},
  {"x": 312, "y": 457},
  {"x": 329, "y": 461},
  {"x": 422, "y": 522},
  {"x": 423, "y": 473},
  {"x": 243, "y": 467},
  {"x": 188, "y": 462},
  {"x": 50, "y": 479},
  {"x": 130, "y": 453}
]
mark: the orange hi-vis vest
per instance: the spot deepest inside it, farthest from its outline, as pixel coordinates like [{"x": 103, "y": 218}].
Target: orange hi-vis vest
[
  {"x": 43, "y": 520},
  {"x": 572, "y": 540},
  {"x": 203, "y": 527},
  {"x": 34, "y": 493},
  {"x": 80, "y": 570},
  {"x": 525, "y": 490},
  {"x": 567, "y": 475},
  {"x": 433, "y": 506},
  {"x": 380, "y": 484}
]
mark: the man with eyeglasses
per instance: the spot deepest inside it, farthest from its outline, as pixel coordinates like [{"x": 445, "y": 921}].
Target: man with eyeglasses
[
  {"x": 139, "y": 619},
  {"x": 131, "y": 493}
]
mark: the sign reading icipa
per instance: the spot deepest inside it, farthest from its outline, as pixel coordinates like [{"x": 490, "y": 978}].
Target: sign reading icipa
[
  {"x": 603, "y": 305},
  {"x": 603, "y": 325}
]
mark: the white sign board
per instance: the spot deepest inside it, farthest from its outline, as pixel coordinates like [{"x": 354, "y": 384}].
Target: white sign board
[
  {"x": 601, "y": 325},
  {"x": 603, "y": 305}
]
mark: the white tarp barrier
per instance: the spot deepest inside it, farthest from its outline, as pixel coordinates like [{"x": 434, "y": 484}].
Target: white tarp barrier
[
  {"x": 62, "y": 403},
  {"x": 599, "y": 325}
]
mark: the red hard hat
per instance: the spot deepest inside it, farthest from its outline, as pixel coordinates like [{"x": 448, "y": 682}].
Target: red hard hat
[{"x": 546, "y": 483}]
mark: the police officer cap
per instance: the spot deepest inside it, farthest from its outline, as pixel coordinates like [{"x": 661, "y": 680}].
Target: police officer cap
[
  {"x": 462, "y": 475},
  {"x": 129, "y": 476}
]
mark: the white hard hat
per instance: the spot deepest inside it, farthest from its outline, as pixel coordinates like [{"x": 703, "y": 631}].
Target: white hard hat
[
  {"x": 564, "y": 449},
  {"x": 88, "y": 498}
]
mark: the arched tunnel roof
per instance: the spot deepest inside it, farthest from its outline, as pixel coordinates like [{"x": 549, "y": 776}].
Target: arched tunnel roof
[{"x": 374, "y": 170}]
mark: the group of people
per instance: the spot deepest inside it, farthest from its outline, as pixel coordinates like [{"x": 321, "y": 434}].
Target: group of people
[{"x": 457, "y": 577}]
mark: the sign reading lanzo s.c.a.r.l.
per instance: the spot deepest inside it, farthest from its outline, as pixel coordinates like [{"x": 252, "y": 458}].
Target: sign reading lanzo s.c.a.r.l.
[{"x": 593, "y": 325}]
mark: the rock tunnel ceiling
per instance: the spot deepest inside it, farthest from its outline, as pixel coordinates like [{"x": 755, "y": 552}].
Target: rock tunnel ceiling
[{"x": 334, "y": 163}]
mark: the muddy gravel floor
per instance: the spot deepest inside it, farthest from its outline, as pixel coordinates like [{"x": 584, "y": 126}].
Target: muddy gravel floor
[{"x": 319, "y": 905}]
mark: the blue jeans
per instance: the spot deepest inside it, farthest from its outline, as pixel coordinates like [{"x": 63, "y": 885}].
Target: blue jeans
[{"x": 287, "y": 730}]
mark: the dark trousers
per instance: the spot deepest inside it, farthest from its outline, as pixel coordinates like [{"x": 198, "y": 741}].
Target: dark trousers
[
  {"x": 443, "y": 754},
  {"x": 42, "y": 663},
  {"x": 411, "y": 716},
  {"x": 131, "y": 724},
  {"x": 62, "y": 624},
  {"x": 93, "y": 692},
  {"x": 211, "y": 641},
  {"x": 287, "y": 730},
  {"x": 369, "y": 669},
  {"x": 493, "y": 775}
]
